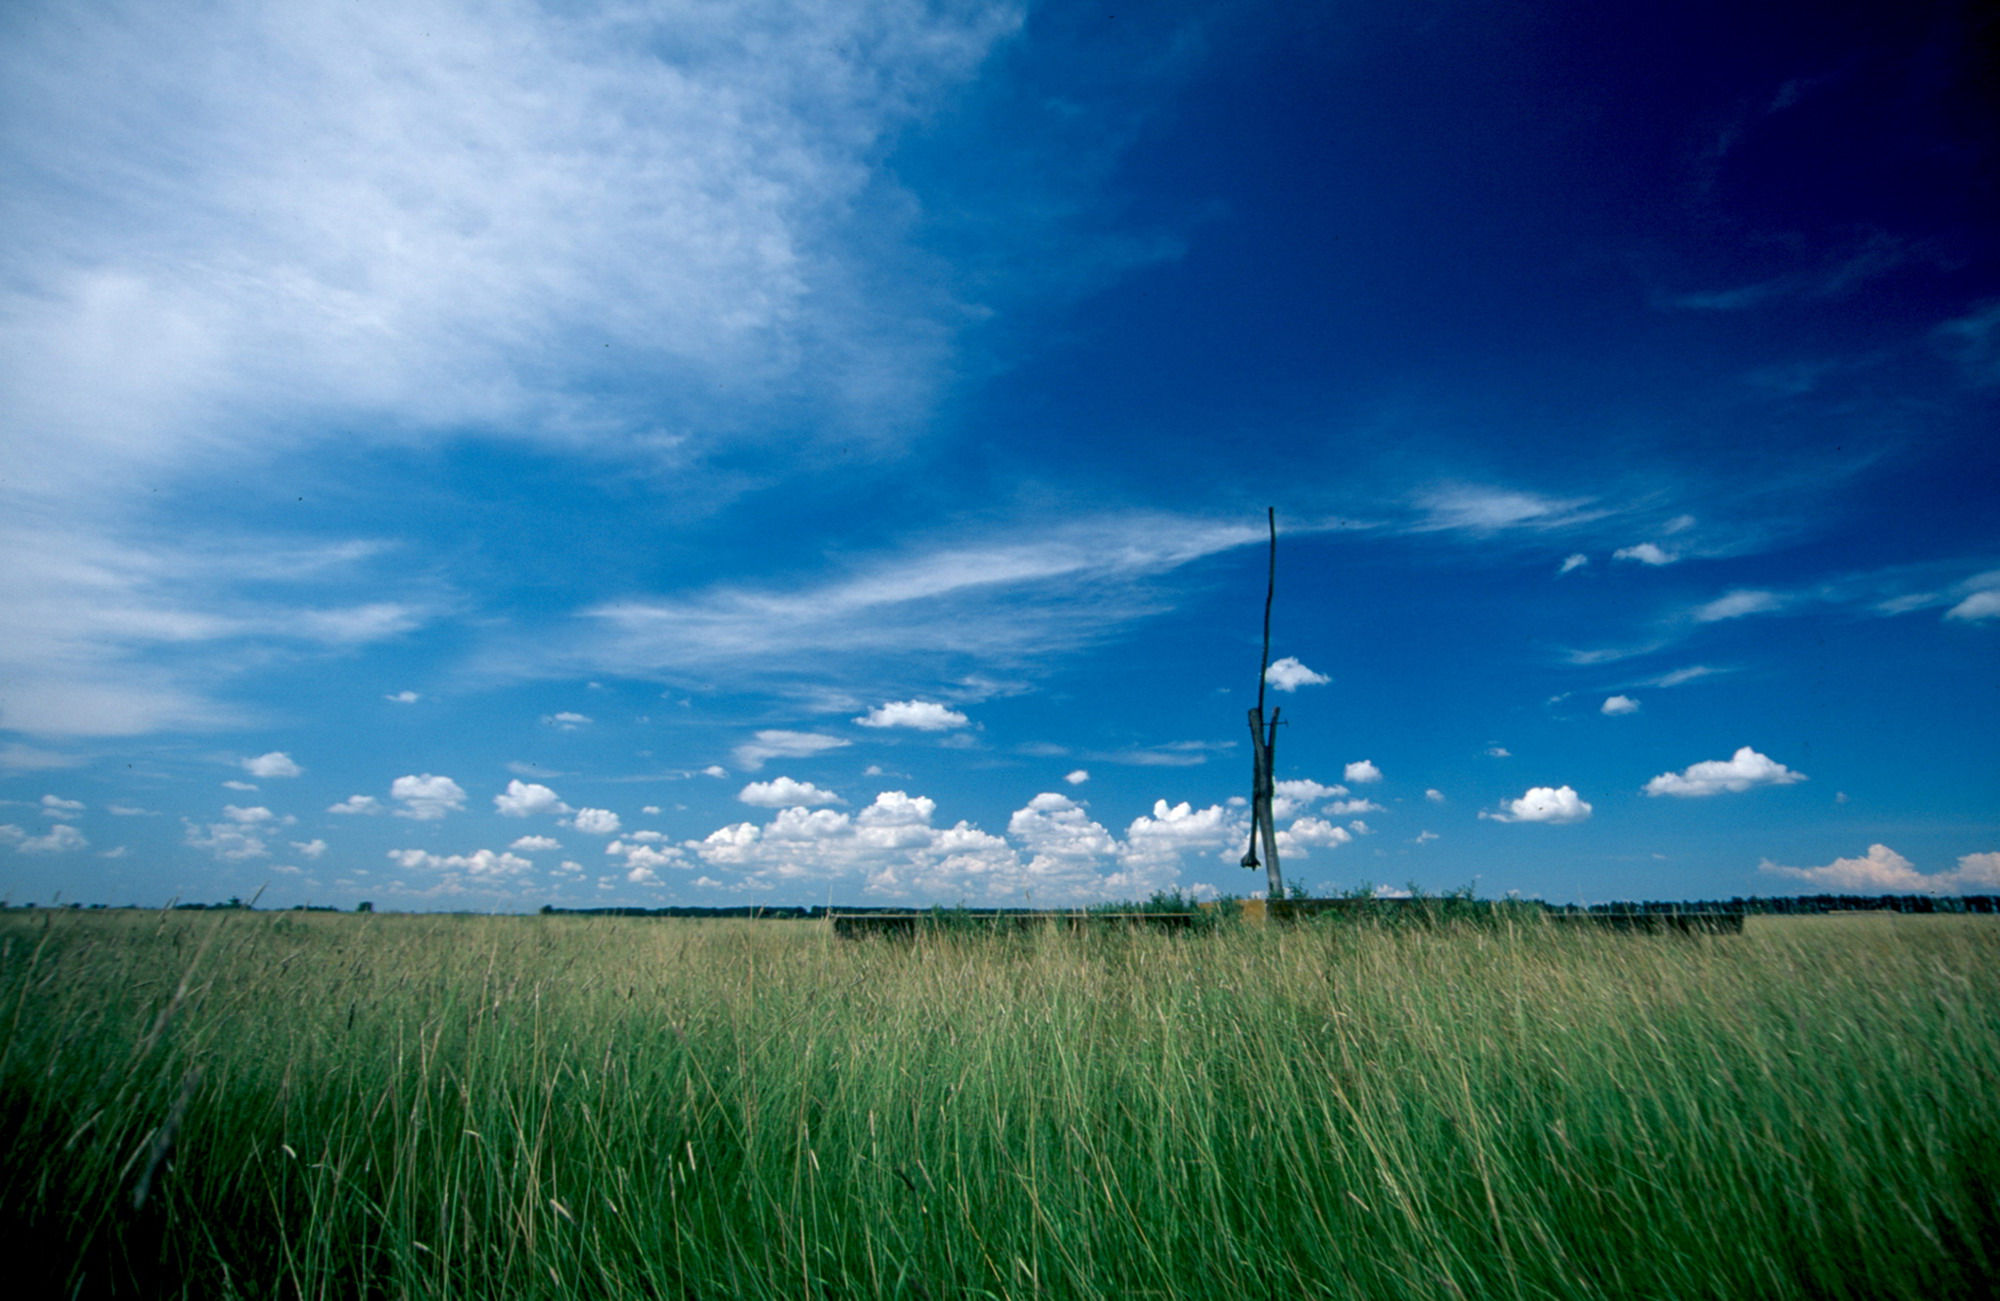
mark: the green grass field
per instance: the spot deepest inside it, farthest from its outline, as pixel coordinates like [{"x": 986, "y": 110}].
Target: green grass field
[{"x": 458, "y": 1107}]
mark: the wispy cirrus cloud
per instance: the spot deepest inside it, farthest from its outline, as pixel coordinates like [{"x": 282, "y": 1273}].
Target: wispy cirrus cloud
[
  {"x": 927, "y": 612},
  {"x": 442, "y": 214}
]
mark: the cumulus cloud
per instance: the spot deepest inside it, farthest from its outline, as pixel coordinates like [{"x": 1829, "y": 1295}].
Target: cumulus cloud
[
  {"x": 1298, "y": 794},
  {"x": 1552, "y": 804},
  {"x": 1742, "y": 771},
  {"x": 275, "y": 764},
  {"x": 426, "y": 798},
  {"x": 1077, "y": 777},
  {"x": 1576, "y": 560},
  {"x": 55, "y": 806},
  {"x": 1362, "y": 772},
  {"x": 310, "y": 848},
  {"x": 783, "y": 792},
  {"x": 1155, "y": 846},
  {"x": 595, "y": 822},
  {"x": 357, "y": 804},
  {"x": 1884, "y": 871},
  {"x": 1289, "y": 675},
  {"x": 1498, "y": 752},
  {"x": 1434, "y": 795},
  {"x": 1294, "y": 841},
  {"x": 1646, "y": 553},
  {"x": 255, "y": 816},
  {"x": 230, "y": 842},
  {"x": 526, "y": 799},
  {"x": 643, "y": 861},
  {"x": 481, "y": 864},
  {"x": 403, "y": 697},
  {"x": 776, "y": 743},
  {"x": 62, "y": 838},
  {"x": 1615, "y": 705},
  {"x": 567, "y": 720},
  {"x": 535, "y": 844},
  {"x": 918, "y": 715}
]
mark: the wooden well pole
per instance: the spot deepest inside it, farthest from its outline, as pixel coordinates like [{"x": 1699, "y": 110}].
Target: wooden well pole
[{"x": 1263, "y": 744}]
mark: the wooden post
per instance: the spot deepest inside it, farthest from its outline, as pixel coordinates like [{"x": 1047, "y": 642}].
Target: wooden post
[{"x": 1263, "y": 745}]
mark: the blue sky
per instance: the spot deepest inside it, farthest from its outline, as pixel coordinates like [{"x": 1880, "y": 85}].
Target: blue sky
[{"x": 485, "y": 455}]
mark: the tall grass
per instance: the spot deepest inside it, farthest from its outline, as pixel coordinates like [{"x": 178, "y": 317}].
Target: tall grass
[{"x": 337, "y": 1106}]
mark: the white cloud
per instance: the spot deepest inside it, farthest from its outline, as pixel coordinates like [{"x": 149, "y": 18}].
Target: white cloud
[
  {"x": 62, "y": 838},
  {"x": 1555, "y": 805},
  {"x": 1362, "y": 772},
  {"x": 1980, "y": 605},
  {"x": 715, "y": 770},
  {"x": 1692, "y": 673},
  {"x": 535, "y": 844},
  {"x": 567, "y": 720},
  {"x": 783, "y": 792},
  {"x": 595, "y": 822},
  {"x": 585, "y": 227},
  {"x": 410, "y": 212},
  {"x": 1014, "y": 597},
  {"x": 275, "y": 764},
  {"x": 1296, "y": 795},
  {"x": 1155, "y": 846},
  {"x": 29, "y": 758},
  {"x": 1077, "y": 777},
  {"x": 1289, "y": 675},
  {"x": 255, "y": 816},
  {"x": 128, "y": 811},
  {"x": 1479, "y": 509},
  {"x": 1434, "y": 795},
  {"x": 1576, "y": 560},
  {"x": 230, "y": 842},
  {"x": 55, "y": 806},
  {"x": 403, "y": 697},
  {"x": 526, "y": 799},
  {"x": 1342, "y": 808},
  {"x": 233, "y": 785},
  {"x": 775, "y": 743},
  {"x": 426, "y": 798},
  {"x": 642, "y": 862},
  {"x": 1646, "y": 553},
  {"x": 481, "y": 864},
  {"x": 1884, "y": 871},
  {"x": 1744, "y": 770},
  {"x": 357, "y": 804},
  {"x": 1616, "y": 705},
  {"x": 1498, "y": 752},
  {"x": 920, "y": 715},
  {"x": 1735, "y": 605},
  {"x": 1294, "y": 840},
  {"x": 310, "y": 848},
  {"x": 1424, "y": 837}
]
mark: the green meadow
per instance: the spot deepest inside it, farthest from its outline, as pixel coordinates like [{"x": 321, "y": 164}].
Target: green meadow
[{"x": 312, "y": 1105}]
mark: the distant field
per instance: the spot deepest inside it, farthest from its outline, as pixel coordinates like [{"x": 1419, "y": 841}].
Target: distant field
[{"x": 552, "y": 1107}]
